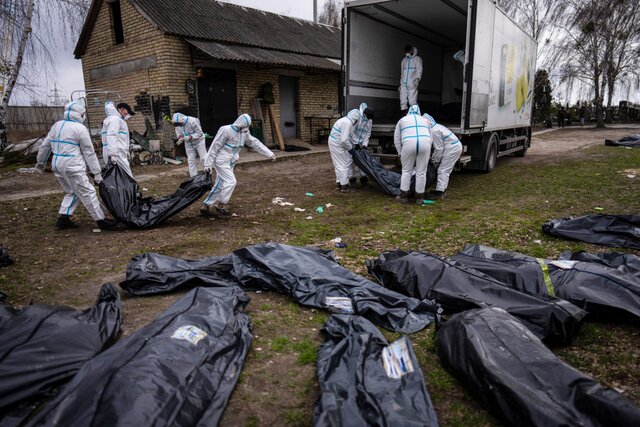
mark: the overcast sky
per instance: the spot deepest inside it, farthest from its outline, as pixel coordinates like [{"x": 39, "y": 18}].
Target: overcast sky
[{"x": 68, "y": 75}]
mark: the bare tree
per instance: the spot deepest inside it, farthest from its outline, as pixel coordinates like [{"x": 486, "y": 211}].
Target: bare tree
[
  {"x": 26, "y": 52},
  {"x": 581, "y": 49},
  {"x": 331, "y": 13},
  {"x": 622, "y": 44},
  {"x": 538, "y": 18}
]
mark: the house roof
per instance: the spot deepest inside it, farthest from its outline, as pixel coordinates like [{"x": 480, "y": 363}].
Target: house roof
[
  {"x": 231, "y": 52},
  {"x": 215, "y": 21}
]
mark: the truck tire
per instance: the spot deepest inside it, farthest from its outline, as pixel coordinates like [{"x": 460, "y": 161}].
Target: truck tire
[{"x": 491, "y": 153}]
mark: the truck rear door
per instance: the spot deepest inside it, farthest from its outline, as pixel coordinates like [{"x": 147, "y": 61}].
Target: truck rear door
[{"x": 475, "y": 104}]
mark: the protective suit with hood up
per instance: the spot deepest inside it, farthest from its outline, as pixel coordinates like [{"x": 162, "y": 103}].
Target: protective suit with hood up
[
  {"x": 447, "y": 150},
  {"x": 410, "y": 75},
  {"x": 340, "y": 143},
  {"x": 223, "y": 155},
  {"x": 190, "y": 132},
  {"x": 69, "y": 146},
  {"x": 412, "y": 139},
  {"x": 360, "y": 139},
  {"x": 115, "y": 138}
]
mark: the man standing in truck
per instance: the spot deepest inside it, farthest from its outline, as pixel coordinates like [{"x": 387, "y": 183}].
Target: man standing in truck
[{"x": 410, "y": 75}]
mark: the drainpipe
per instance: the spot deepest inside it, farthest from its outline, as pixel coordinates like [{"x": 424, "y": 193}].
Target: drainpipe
[{"x": 315, "y": 11}]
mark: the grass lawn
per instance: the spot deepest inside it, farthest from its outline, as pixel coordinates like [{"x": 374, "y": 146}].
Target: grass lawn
[{"x": 504, "y": 209}]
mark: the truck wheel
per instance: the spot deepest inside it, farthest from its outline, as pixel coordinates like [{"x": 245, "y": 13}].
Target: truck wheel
[{"x": 491, "y": 154}]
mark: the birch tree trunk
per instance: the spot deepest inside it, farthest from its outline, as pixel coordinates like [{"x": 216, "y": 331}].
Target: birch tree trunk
[{"x": 13, "y": 74}]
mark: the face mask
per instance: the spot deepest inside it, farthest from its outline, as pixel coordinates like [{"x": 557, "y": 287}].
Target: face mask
[
  {"x": 407, "y": 55},
  {"x": 127, "y": 117}
]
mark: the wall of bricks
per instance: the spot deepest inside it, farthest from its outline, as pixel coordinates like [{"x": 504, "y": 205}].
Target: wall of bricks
[
  {"x": 317, "y": 90},
  {"x": 141, "y": 39},
  {"x": 174, "y": 65},
  {"x": 319, "y": 94}
]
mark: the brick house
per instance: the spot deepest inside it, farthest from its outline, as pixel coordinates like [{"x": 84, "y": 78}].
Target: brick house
[{"x": 212, "y": 58}]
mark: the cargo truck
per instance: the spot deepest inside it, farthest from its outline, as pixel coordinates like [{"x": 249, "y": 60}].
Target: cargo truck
[{"x": 485, "y": 96}]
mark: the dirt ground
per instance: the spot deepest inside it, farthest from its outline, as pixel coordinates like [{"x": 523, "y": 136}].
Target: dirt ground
[
  {"x": 567, "y": 143},
  {"x": 68, "y": 267}
]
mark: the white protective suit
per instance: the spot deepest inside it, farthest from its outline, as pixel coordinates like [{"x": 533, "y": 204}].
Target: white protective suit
[
  {"x": 193, "y": 138},
  {"x": 70, "y": 145},
  {"x": 115, "y": 138},
  {"x": 447, "y": 151},
  {"x": 340, "y": 144},
  {"x": 412, "y": 139},
  {"x": 361, "y": 134},
  {"x": 224, "y": 153},
  {"x": 410, "y": 75}
]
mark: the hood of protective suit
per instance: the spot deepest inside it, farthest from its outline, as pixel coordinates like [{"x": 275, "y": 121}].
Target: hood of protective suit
[
  {"x": 363, "y": 107},
  {"x": 74, "y": 111},
  {"x": 110, "y": 109},
  {"x": 242, "y": 122},
  {"x": 178, "y": 118},
  {"x": 432, "y": 121},
  {"x": 414, "y": 109},
  {"x": 354, "y": 116},
  {"x": 413, "y": 53}
]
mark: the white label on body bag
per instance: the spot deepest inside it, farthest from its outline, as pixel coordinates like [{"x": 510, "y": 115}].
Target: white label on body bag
[
  {"x": 396, "y": 359},
  {"x": 189, "y": 333},
  {"x": 340, "y": 305}
]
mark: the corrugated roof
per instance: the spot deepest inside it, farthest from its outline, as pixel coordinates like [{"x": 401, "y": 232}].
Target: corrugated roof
[
  {"x": 263, "y": 56},
  {"x": 228, "y": 23}
]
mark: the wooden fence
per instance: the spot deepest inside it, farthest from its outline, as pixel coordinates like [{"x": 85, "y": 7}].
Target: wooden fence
[{"x": 32, "y": 119}]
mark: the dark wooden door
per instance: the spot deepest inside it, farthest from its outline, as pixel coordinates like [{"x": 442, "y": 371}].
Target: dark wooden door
[{"x": 217, "y": 98}]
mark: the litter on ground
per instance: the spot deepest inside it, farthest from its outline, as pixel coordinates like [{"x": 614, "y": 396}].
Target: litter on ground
[{"x": 281, "y": 201}]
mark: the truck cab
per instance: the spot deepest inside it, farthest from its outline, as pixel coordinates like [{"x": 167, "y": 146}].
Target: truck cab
[{"x": 478, "y": 71}]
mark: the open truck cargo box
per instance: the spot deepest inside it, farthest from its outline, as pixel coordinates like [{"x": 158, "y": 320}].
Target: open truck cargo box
[{"x": 487, "y": 101}]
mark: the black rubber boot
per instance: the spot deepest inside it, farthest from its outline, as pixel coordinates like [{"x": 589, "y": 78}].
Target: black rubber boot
[
  {"x": 107, "y": 224},
  {"x": 222, "y": 212},
  {"x": 338, "y": 186},
  {"x": 419, "y": 198},
  {"x": 64, "y": 222},
  {"x": 403, "y": 197},
  {"x": 435, "y": 195},
  {"x": 346, "y": 189},
  {"x": 364, "y": 180},
  {"x": 207, "y": 212}
]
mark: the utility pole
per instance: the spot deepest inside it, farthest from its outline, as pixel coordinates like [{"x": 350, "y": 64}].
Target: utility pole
[{"x": 315, "y": 11}]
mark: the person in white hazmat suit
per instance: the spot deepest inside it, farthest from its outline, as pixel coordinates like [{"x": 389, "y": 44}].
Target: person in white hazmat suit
[
  {"x": 115, "y": 135},
  {"x": 340, "y": 143},
  {"x": 222, "y": 156},
  {"x": 447, "y": 149},
  {"x": 69, "y": 146},
  {"x": 412, "y": 139},
  {"x": 189, "y": 132},
  {"x": 360, "y": 140},
  {"x": 410, "y": 75}
]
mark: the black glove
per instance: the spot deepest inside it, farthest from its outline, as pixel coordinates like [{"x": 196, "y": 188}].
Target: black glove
[{"x": 358, "y": 147}]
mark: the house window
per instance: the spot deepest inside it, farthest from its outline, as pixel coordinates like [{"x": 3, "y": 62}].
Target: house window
[{"x": 116, "y": 19}]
